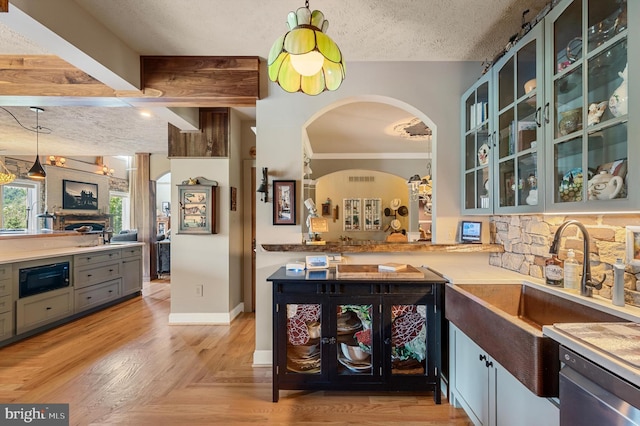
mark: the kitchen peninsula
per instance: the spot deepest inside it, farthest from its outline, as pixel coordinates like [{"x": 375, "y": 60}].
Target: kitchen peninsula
[
  {"x": 384, "y": 247},
  {"x": 53, "y": 278}
]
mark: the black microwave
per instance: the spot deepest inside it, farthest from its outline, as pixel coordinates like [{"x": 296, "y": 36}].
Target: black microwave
[{"x": 40, "y": 279}]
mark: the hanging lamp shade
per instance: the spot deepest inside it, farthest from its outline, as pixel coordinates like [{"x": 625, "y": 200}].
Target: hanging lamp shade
[
  {"x": 37, "y": 171},
  {"x": 305, "y": 59}
]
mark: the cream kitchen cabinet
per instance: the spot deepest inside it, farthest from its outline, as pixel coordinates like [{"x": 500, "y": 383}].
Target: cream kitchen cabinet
[
  {"x": 97, "y": 278},
  {"x": 131, "y": 270},
  {"x": 488, "y": 393},
  {"x": 6, "y": 302},
  {"x": 42, "y": 309}
]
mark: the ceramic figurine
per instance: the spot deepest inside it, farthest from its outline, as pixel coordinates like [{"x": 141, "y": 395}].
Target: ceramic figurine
[
  {"x": 595, "y": 113},
  {"x": 483, "y": 154},
  {"x": 604, "y": 186},
  {"x": 618, "y": 101}
]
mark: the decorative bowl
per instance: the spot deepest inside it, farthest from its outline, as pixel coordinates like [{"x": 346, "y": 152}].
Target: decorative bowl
[
  {"x": 353, "y": 353},
  {"x": 84, "y": 229}
]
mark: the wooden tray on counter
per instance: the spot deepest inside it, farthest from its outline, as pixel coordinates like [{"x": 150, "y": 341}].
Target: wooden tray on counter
[{"x": 371, "y": 272}]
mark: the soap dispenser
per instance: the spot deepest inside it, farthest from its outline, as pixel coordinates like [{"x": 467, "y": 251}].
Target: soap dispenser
[
  {"x": 617, "y": 292},
  {"x": 571, "y": 272}
]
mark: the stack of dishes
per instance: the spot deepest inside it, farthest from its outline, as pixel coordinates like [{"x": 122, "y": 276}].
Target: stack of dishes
[
  {"x": 348, "y": 323},
  {"x": 304, "y": 358},
  {"x": 355, "y": 358}
]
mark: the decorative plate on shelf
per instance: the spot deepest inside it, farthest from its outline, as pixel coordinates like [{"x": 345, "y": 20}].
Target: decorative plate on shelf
[{"x": 571, "y": 186}]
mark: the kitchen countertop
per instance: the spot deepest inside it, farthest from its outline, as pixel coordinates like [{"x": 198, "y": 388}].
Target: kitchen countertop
[
  {"x": 21, "y": 256},
  {"x": 614, "y": 346},
  {"x": 384, "y": 247}
]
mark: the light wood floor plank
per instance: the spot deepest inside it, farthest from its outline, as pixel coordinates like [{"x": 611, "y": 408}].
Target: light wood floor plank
[{"x": 126, "y": 365}]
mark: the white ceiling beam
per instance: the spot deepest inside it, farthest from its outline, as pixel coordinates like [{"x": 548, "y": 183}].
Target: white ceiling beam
[
  {"x": 66, "y": 30},
  {"x": 185, "y": 119}
]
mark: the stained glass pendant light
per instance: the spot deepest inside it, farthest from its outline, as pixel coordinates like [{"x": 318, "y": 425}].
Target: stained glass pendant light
[
  {"x": 36, "y": 171},
  {"x": 305, "y": 59}
]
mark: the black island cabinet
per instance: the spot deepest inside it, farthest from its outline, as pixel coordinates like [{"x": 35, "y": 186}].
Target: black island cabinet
[{"x": 366, "y": 334}]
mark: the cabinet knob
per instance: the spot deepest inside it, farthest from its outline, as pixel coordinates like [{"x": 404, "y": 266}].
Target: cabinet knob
[
  {"x": 328, "y": 340},
  {"x": 387, "y": 341}
]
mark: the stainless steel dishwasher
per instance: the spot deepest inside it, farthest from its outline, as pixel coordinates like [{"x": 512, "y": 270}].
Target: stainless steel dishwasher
[{"x": 592, "y": 395}]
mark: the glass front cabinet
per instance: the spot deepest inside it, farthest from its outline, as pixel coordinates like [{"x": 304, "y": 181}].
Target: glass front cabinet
[
  {"x": 477, "y": 146},
  {"x": 332, "y": 335},
  {"x": 590, "y": 165},
  {"x": 197, "y": 213},
  {"x": 557, "y": 125},
  {"x": 517, "y": 152}
]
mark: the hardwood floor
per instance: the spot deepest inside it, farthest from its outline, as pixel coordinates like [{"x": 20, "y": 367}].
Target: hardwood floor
[{"x": 126, "y": 365}]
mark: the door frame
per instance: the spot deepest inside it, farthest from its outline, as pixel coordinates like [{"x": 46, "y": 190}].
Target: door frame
[{"x": 249, "y": 237}]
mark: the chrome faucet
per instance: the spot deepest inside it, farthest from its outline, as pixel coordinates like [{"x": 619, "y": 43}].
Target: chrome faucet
[{"x": 586, "y": 284}]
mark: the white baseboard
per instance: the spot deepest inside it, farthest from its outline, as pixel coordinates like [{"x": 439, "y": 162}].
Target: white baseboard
[
  {"x": 262, "y": 358},
  {"x": 205, "y": 318}
]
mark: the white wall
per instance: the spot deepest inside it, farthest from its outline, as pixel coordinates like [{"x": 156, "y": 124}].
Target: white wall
[
  {"x": 55, "y": 175},
  {"x": 429, "y": 90},
  {"x": 200, "y": 259}
]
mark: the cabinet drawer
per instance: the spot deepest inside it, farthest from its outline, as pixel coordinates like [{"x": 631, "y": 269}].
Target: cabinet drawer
[
  {"x": 132, "y": 252},
  {"x": 5, "y": 272},
  {"x": 95, "y": 258},
  {"x": 5, "y": 303},
  {"x": 98, "y": 294},
  {"x": 39, "y": 310},
  {"x": 5, "y": 288},
  {"x": 93, "y": 275},
  {"x": 6, "y": 325}
]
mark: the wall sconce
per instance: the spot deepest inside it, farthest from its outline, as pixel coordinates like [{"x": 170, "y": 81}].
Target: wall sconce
[
  {"x": 57, "y": 161},
  {"x": 263, "y": 189}
]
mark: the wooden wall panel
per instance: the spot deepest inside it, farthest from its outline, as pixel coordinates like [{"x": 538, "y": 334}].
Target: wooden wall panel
[{"x": 211, "y": 141}]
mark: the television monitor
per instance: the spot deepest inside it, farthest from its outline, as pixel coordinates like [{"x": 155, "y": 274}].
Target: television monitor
[{"x": 470, "y": 232}]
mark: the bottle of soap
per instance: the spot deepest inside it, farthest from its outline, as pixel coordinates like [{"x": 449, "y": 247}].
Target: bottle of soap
[
  {"x": 553, "y": 273},
  {"x": 617, "y": 292},
  {"x": 571, "y": 271}
]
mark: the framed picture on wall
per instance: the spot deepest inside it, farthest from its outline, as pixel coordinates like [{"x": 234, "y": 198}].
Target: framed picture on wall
[
  {"x": 633, "y": 245},
  {"x": 79, "y": 195},
  {"x": 284, "y": 202}
]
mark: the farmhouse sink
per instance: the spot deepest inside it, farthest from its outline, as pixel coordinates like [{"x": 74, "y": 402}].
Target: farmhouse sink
[{"x": 506, "y": 321}]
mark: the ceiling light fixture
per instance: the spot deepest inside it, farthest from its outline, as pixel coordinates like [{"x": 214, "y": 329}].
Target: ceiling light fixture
[
  {"x": 36, "y": 171},
  {"x": 305, "y": 59}
]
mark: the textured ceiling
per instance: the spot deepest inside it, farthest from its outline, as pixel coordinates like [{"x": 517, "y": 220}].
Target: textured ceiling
[{"x": 365, "y": 30}]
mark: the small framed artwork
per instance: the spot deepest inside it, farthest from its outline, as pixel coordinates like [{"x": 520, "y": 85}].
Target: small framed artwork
[
  {"x": 633, "y": 245},
  {"x": 234, "y": 199},
  {"x": 326, "y": 208},
  {"x": 284, "y": 202}
]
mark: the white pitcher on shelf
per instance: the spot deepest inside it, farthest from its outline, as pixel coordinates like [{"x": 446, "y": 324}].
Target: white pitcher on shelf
[{"x": 618, "y": 101}]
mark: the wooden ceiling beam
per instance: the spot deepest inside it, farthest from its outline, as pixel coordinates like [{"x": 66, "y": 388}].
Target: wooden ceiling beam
[
  {"x": 201, "y": 77},
  {"x": 4, "y": 6},
  {"x": 167, "y": 81}
]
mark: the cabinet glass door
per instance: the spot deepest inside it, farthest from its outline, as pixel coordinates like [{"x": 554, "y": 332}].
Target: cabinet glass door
[
  {"x": 477, "y": 147},
  {"x": 408, "y": 339},
  {"x": 304, "y": 325},
  {"x": 354, "y": 324},
  {"x": 372, "y": 214},
  {"x": 196, "y": 214},
  {"x": 352, "y": 214},
  {"x": 520, "y": 125},
  {"x": 590, "y": 149}
]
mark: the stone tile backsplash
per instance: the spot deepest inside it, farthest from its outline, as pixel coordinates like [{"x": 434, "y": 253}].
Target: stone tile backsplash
[{"x": 527, "y": 239}]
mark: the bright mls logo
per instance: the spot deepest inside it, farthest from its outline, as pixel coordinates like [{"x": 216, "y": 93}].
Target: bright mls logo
[{"x": 34, "y": 414}]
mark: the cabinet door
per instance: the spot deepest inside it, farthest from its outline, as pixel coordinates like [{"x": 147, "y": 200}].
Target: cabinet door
[
  {"x": 517, "y": 405},
  {"x": 352, "y": 214},
  {"x": 589, "y": 155},
  {"x": 372, "y": 214},
  {"x": 476, "y": 145},
  {"x": 301, "y": 324},
  {"x": 197, "y": 209},
  {"x": 355, "y": 323},
  {"x": 131, "y": 275},
  {"x": 470, "y": 376},
  {"x": 517, "y": 153}
]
